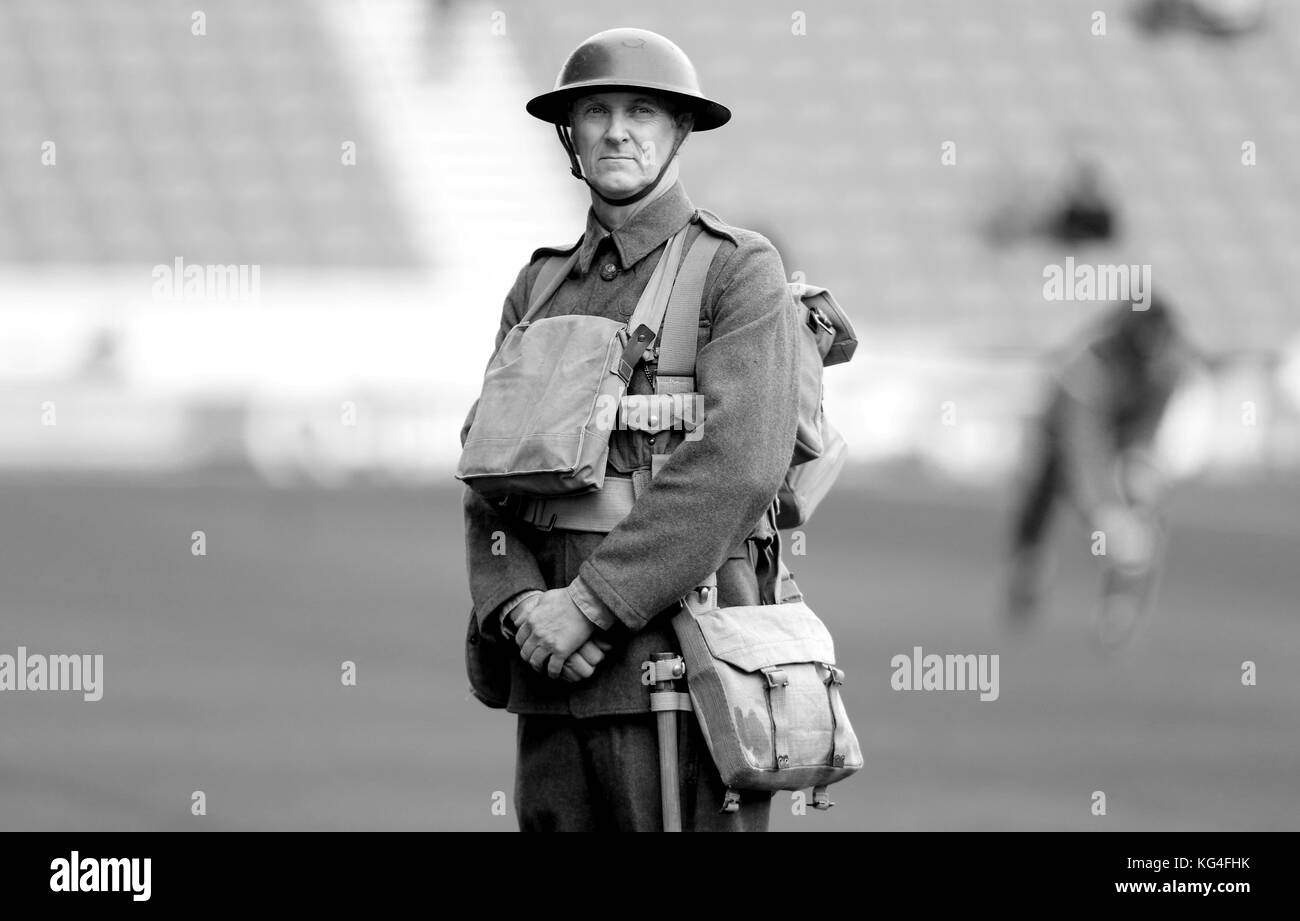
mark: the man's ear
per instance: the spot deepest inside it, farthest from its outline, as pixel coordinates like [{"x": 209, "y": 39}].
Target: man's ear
[{"x": 686, "y": 124}]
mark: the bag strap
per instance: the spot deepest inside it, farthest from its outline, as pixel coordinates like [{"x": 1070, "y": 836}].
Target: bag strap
[
  {"x": 649, "y": 309},
  {"x": 663, "y": 282},
  {"x": 549, "y": 278},
  {"x": 676, "y": 369},
  {"x": 675, "y": 373}
]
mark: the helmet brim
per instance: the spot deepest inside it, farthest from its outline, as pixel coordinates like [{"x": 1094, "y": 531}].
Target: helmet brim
[{"x": 554, "y": 106}]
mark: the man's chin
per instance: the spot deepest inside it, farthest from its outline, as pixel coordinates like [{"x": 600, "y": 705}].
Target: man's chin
[
  {"x": 619, "y": 181},
  {"x": 619, "y": 189}
]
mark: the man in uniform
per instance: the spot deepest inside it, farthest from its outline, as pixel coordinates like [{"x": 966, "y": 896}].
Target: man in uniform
[
  {"x": 586, "y": 608},
  {"x": 1109, "y": 393}
]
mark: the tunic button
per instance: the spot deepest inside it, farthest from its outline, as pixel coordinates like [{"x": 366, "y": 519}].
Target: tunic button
[{"x": 608, "y": 271}]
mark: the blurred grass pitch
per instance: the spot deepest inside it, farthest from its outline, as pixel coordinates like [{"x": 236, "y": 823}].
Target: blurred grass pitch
[{"x": 223, "y": 671}]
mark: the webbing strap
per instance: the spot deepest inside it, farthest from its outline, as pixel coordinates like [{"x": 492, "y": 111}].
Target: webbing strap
[
  {"x": 786, "y": 588},
  {"x": 670, "y": 700},
  {"x": 654, "y": 671},
  {"x": 675, "y": 371},
  {"x": 654, "y": 299},
  {"x": 704, "y": 597},
  {"x": 840, "y": 738},
  {"x": 551, "y": 275},
  {"x": 682, "y": 323},
  {"x": 777, "y": 680},
  {"x": 598, "y": 511}
]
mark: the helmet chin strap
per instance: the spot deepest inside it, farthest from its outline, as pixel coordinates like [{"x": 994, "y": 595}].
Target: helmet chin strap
[{"x": 576, "y": 169}]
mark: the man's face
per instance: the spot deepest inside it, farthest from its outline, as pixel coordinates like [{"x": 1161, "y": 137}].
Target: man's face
[{"x": 623, "y": 139}]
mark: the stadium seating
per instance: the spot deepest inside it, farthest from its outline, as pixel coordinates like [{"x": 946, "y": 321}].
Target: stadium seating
[
  {"x": 841, "y": 130},
  {"x": 222, "y": 147}
]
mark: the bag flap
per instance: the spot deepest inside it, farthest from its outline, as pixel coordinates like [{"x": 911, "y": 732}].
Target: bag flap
[
  {"x": 838, "y": 343},
  {"x": 751, "y": 637}
]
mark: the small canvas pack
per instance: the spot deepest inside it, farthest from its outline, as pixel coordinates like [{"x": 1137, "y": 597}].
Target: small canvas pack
[
  {"x": 806, "y": 484},
  {"x": 766, "y": 691},
  {"x": 827, "y": 338},
  {"x": 541, "y": 425}
]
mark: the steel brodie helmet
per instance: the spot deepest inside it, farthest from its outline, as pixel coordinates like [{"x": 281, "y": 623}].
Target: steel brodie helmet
[{"x": 622, "y": 60}]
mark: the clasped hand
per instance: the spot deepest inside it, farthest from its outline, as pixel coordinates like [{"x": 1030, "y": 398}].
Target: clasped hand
[{"x": 556, "y": 637}]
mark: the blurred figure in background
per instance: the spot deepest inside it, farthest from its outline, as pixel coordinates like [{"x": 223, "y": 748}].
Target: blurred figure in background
[
  {"x": 1109, "y": 391},
  {"x": 1219, "y": 18},
  {"x": 1081, "y": 211},
  {"x": 1085, "y": 211}
]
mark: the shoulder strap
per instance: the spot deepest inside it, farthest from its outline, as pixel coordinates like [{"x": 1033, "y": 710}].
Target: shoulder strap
[
  {"x": 654, "y": 299},
  {"x": 675, "y": 372},
  {"x": 649, "y": 310},
  {"x": 676, "y": 369},
  {"x": 551, "y": 275}
]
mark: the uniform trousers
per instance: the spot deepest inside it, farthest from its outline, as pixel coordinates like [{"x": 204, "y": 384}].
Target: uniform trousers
[{"x": 602, "y": 774}]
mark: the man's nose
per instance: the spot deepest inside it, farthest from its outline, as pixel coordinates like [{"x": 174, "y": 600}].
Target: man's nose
[{"x": 616, "y": 131}]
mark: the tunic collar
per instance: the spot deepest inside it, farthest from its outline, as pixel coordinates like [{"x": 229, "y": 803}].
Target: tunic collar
[{"x": 641, "y": 235}]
